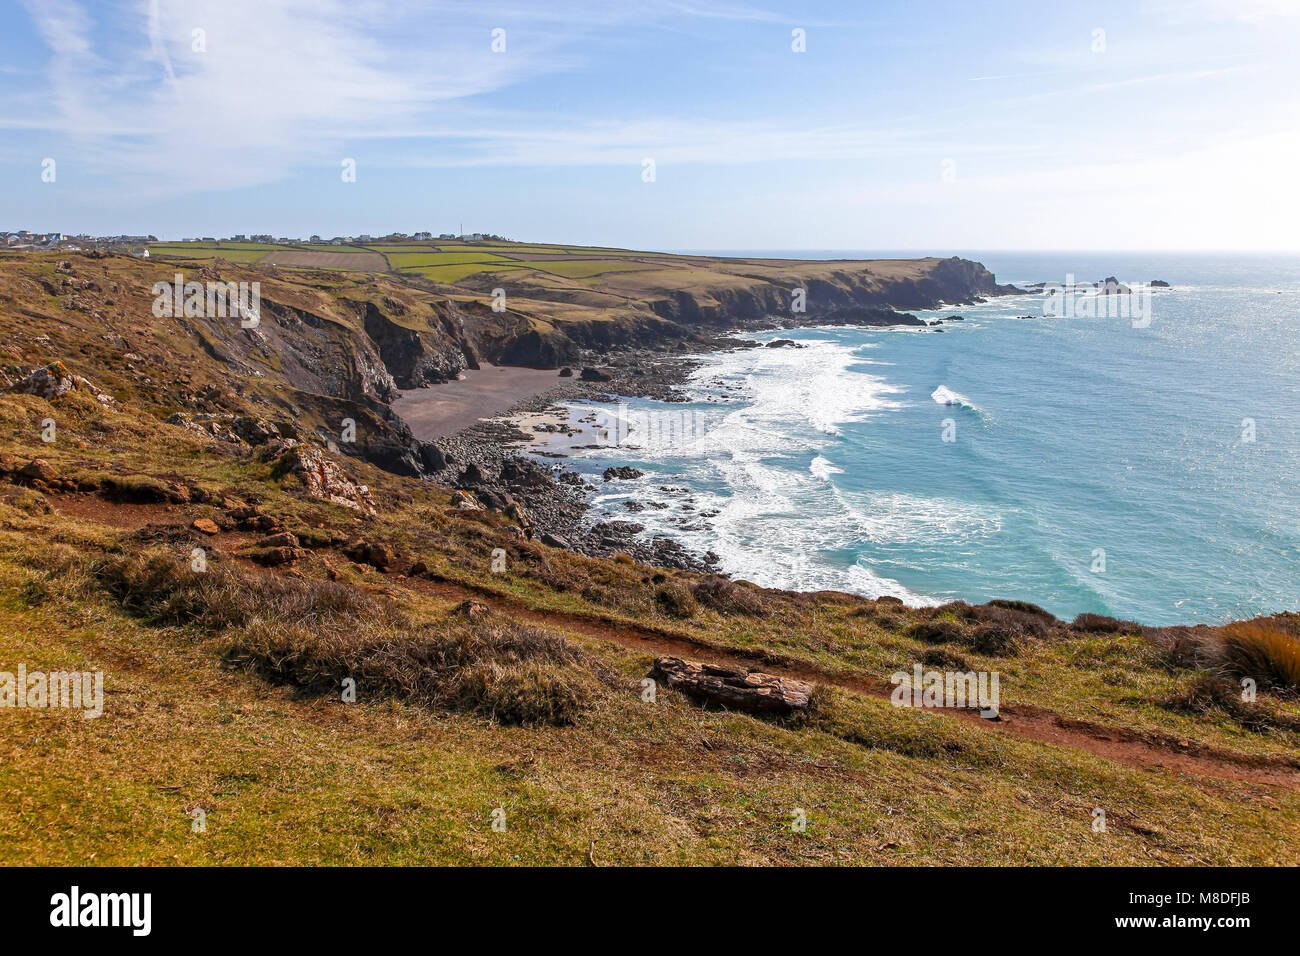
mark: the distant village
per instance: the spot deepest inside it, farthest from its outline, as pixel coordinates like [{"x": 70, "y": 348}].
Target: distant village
[{"x": 23, "y": 239}]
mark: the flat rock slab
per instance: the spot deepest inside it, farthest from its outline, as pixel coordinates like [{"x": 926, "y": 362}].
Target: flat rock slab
[{"x": 753, "y": 692}]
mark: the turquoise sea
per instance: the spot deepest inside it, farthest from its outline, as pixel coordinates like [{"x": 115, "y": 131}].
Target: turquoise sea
[{"x": 1093, "y": 465}]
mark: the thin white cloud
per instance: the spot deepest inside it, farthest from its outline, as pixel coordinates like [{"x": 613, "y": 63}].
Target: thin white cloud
[
  {"x": 271, "y": 87},
  {"x": 63, "y": 24},
  {"x": 156, "y": 45}
]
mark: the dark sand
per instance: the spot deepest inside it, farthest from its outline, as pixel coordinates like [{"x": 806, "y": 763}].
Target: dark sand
[{"x": 440, "y": 411}]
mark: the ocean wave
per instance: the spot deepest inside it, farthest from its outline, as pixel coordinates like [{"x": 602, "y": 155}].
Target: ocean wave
[
  {"x": 822, "y": 468},
  {"x": 946, "y": 396},
  {"x": 900, "y": 518},
  {"x": 862, "y": 580},
  {"x": 779, "y": 526},
  {"x": 786, "y": 390}
]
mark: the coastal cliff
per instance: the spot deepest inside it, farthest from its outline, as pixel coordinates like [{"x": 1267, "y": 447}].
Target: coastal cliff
[
  {"x": 333, "y": 347},
  {"x": 764, "y": 294}
]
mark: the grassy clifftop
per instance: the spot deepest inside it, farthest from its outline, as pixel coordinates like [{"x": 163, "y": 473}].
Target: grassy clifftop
[
  {"x": 499, "y": 680},
  {"x": 571, "y": 296}
]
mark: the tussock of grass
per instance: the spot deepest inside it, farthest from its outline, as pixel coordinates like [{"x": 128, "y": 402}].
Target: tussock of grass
[
  {"x": 1208, "y": 694},
  {"x": 164, "y": 590},
  {"x": 936, "y": 632},
  {"x": 25, "y": 500},
  {"x": 1266, "y": 649},
  {"x": 1183, "y": 648},
  {"x": 676, "y": 598},
  {"x": 1024, "y": 607},
  {"x": 510, "y": 673},
  {"x": 993, "y": 631},
  {"x": 138, "y": 489},
  {"x": 314, "y": 634},
  {"x": 944, "y": 660},
  {"x": 727, "y": 597},
  {"x": 1101, "y": 624}
]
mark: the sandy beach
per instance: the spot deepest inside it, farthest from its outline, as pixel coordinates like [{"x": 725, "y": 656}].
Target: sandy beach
[{"x": 441, "y": 411}]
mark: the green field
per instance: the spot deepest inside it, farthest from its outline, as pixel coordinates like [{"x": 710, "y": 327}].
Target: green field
[
  {"x": 585, "y": 268},
  {"x": 411, "y": 260},
  {"x": 235, "y": 252},
  {"x": 563, "y": 282},
  {"x": 326, "y": 247},
  {"x": 454, "y": 272}
]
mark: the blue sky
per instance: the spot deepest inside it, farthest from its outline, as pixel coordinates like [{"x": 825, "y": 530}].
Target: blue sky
[{"x": 911, "y": 125}]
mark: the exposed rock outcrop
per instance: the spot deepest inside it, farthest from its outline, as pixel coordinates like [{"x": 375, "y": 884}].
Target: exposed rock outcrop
[
  {"x": 54, "y": 381},
  {"x": 323, "y": 478},
  {"x": 416, "y": 358},
  {"x": 754, "y": 692}
]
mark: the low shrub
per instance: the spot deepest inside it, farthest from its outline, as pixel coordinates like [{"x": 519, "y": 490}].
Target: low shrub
[
  {"x": 313, "y": 634},
  {"x": 727, "y": 597},
  {"x": 1024, "y": 607},
  {"x": 936, "y": 632},
  {"x": 164, "y": 590},
  {"x": 1208, "y": 694},
  {"x": 944, "y": 660},
  {"x": 1101, "y": 624},
  {"x": 1012, "y": 616},
  {"x": 508, "y": 672},
  {"x": 1266, "y": 649},
  {"x": 995, "y": 640},
  {"x": 1183, "y": 648},
  {"x": 675, "y": 598}
]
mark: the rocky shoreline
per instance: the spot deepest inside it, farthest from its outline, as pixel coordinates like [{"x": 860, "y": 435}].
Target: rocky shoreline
[{"x": 486, "y": 459}]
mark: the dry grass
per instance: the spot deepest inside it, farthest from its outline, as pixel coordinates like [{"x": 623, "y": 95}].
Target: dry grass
[
  {"x": 162, "y": 590},
  {"x": 676, "y": 598},
  {"x": 1210, "y": 694},
  {"x": 508, "y": 672},
  {"x": 727, "y": 597},
  {"x": 1265, "y": 649},
  {"x": 314, "y": 635}
]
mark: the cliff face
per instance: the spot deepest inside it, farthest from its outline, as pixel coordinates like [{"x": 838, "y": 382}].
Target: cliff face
[
  {"x": 851, "y": 295},
  {"x": 327, "y": 350},
  {"x": 413, "y": 357},
  {"x": 948, "y": 281}
]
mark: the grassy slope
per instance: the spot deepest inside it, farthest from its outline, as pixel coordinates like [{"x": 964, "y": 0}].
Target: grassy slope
[
  {"x": 590, "y": 289},
  {"x": 314, "y": 780}
]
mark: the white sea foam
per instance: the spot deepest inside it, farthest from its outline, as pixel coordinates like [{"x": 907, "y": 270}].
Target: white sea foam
[
  {"x": 790, "y": 387},
  {"x": 946, "y": 396},
  {"x": 770, "y": 521},
  {"x": 822, "y": 468},
  {"x": 781, "y": 527},
  {"x": 862, "y": 580},
  {"x": 909, "y": 519}
]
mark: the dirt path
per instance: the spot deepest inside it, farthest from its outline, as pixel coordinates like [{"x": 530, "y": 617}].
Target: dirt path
[{"x": 1146, "y": 751}]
